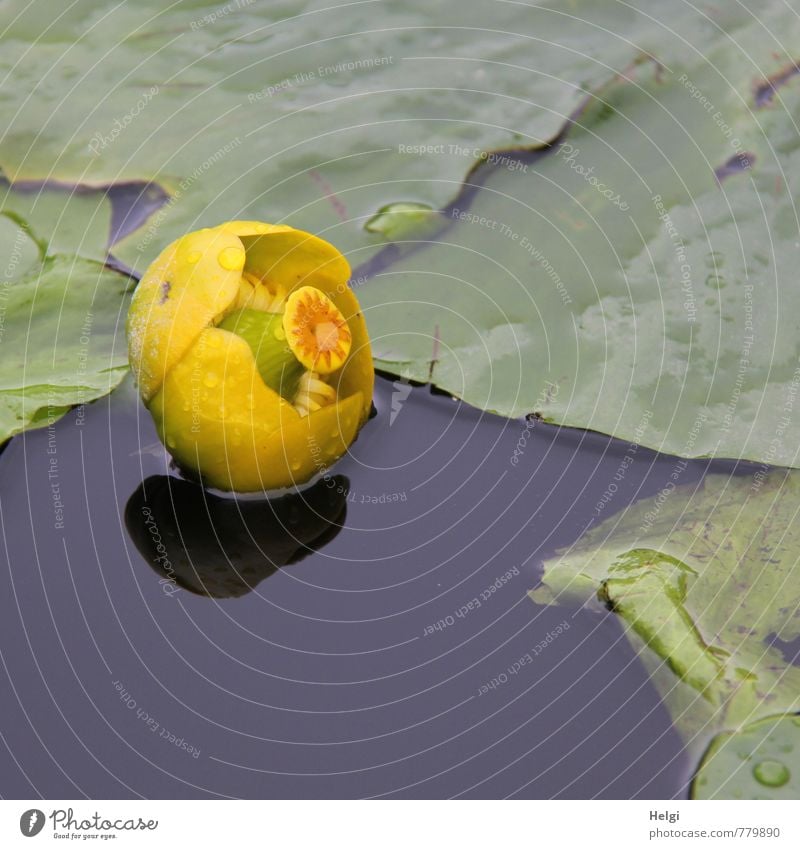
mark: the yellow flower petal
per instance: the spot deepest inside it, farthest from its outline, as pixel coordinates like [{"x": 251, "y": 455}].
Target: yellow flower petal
[
  {"x": 188, "y": 286},
  {"x": 216, "y": 416},
  {"x": 214, "y": 412}
]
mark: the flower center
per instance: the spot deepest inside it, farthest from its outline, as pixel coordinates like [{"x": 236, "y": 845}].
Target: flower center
[
  {"x": 316, "y": 331},
  {"x": 327, "y": 334},
  {"x": 296, "y": 341}
]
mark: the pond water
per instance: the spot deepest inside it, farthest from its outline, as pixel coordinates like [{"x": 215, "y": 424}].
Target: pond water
[{"x": 396, "y": 654}]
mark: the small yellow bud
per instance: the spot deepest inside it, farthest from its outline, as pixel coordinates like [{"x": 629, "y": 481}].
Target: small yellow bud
[{"x": 252, "y": 355}]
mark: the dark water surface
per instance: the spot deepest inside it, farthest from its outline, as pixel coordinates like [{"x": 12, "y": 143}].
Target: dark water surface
[{"x": 329, "y": 678}]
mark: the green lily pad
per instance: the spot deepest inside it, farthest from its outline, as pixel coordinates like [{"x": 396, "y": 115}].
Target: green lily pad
[
  {"x": 762, "y": 761},
  {"x": 637, "y": 279},
  {"x": 312, "y": 113},
  {"x": 704, "y": 579},
  {"x": 61, "y": 340},
  {"x": 66, "y": 220},
  {"x": 20, "y": 251}
]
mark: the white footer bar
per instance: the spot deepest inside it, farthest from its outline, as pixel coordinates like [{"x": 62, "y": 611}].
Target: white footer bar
[{"x": 401, "y": 824}]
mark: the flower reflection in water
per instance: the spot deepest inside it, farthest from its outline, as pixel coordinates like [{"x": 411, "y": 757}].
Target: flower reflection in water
[{"x": 223, "y": 547}]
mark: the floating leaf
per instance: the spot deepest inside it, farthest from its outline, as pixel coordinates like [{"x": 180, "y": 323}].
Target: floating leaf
[
  {"x": 618, "y": 285},
  {"x": 762, "y": 761},
  {"x": 228, "y": 108},
  {"x": 67, "y": 220},
  {"x": 705, "y": 579},
  {"x": 61, "y": 339}
]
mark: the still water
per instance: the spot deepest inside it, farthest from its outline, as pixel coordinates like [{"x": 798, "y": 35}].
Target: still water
[{"x": 151, "y": 647}]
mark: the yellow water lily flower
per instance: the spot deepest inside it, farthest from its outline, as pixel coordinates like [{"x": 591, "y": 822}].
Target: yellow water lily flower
[{"x": 252, "y": 355}]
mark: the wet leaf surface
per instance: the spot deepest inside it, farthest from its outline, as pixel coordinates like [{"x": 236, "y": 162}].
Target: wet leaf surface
[
  {"x": 306, "y": 111},
  {"x": 616, "y": 284},
  {"x": 762, "y": 761},
  {"x": 61, "y": 337},
  {"x": 703, "y": 577}
]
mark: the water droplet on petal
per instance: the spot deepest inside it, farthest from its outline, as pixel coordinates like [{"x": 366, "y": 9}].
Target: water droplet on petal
[
  {"x": 771, "y": 773},
  {"x": 231, "y": 259},
  {"x": 211, "y": 380},
  {"x": 193, "y": 257}
]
